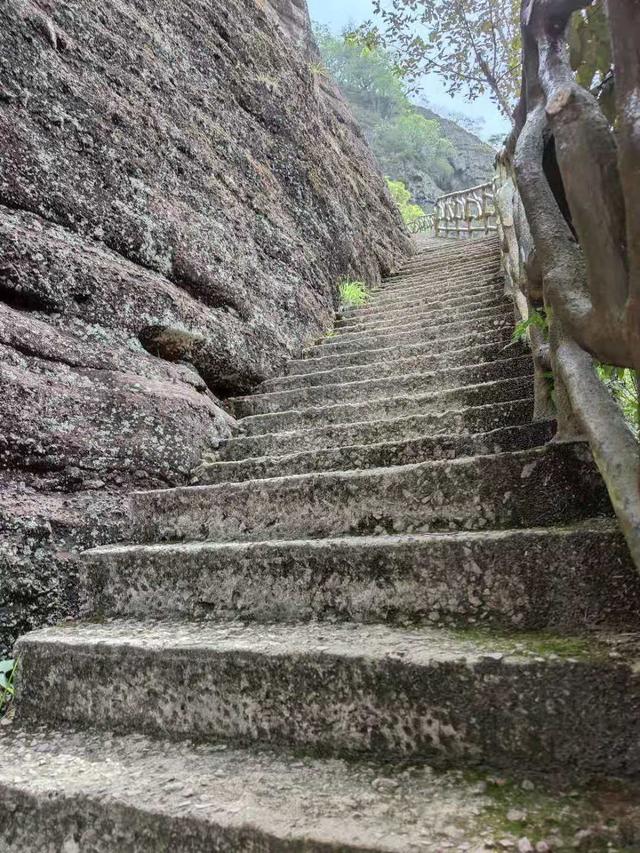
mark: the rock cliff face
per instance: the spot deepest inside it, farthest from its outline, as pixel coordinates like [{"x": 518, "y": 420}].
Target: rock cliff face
[
  {"x": 472, "y": 162},
  {"x": 179, "y": 193}
]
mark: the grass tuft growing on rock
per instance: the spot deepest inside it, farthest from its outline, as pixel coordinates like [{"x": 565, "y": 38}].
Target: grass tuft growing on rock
[{"x": 353, "y": 293}]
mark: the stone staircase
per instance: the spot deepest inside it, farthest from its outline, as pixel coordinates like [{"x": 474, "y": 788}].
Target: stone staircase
[{"x": 391, "y": 617}]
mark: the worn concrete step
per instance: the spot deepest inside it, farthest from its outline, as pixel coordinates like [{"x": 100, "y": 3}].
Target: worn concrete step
[
  {"x": 439, "y": 268},
  {"x": 319, "y": 358},
  {"x": 344, "y": 689},
  {"x": 454, "y": 421},
  {"x": 449, "y": 263},
  {"x": 373, "y": 389},
  {"x": 446, "y": 279},
  {"x": 452, "y": 330},
  {"x": 497, "y": 391},
  {"x": 59, "y": 794},
  {"x": 430, "y": 320},
  {"x": 457, "y": 249},
  {"x": 443, "y": 277},
  {"x": 458, "y": 287},
  {"x": 362, "y": 318},
  {"x": 393, "y": 318},
  {"x": 423, "y": 362},
  {"x": 556, "y": 484},
  {"x": 215, "y": 469},
  {"x": 419, "y": 291},
  {"x": 561, "y": 579},
  {"x": 442, "y": 285}
]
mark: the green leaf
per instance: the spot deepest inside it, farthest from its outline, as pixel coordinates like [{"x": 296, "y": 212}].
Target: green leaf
[
  {"x": 7, "y": 665},
  {"x": 535, "y": 318}
]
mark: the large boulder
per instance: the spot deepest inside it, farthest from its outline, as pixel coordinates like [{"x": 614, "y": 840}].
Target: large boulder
[{"x": 180, "y": 190}]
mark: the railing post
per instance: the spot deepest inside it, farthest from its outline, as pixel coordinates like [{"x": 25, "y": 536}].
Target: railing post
[{"x": 456, "y": 214}]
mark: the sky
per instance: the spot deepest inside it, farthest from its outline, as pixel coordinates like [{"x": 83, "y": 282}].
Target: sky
[{"x": 338, "y": 13}]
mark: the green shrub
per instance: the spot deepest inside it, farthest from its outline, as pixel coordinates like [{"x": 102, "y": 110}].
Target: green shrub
[
  {"x": 7, "y": 672},
  {"x": 402, "y": 197},
  {"x": 537, "y": 317},
  {"x": 622, "y": 384},
  {"x": 353, "y": 293}
]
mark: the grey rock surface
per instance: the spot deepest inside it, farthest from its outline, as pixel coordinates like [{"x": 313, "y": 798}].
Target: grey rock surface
[
  {"x": 178, "y": 197},
  {"x": 471, "y": 161}
]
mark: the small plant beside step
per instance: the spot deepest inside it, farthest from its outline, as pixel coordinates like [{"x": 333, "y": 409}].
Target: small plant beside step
[
  {"x": 353, "y": 294},
  {"x": 7, "y": 672}
]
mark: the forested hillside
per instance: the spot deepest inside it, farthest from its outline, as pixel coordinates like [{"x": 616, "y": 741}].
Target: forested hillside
[{"x": 413, "y": 144}]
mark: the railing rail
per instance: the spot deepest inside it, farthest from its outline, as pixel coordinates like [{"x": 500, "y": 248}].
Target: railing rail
[
  {"x": 565, "y": 203},
  {"x": 421, "y": 223},
  {"x": 567, "y": 199},
  {"x": 465, "y": 213}
]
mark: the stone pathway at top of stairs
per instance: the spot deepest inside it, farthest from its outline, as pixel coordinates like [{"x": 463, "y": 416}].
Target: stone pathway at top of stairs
[{"x": 390, "y": 616}]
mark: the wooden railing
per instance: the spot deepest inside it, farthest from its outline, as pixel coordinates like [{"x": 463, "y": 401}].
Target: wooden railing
[
  {"x": 421, "y": 224},
  {"x": 466, "y": 212},
  {"x": 568, "y": 204}
]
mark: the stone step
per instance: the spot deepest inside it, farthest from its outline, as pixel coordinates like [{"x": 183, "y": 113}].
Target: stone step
[
  {"x": 361, "y": 318},
  {"x": 538, "y": 579},
  {"x": 387, "y": 386},
  {"x": 498, "y": 391},
  {"x": 423, "y": 362},
  {"x": 319, "y": 358},
  {"x": 556, "y": 484},
  {"x": 447, "y": 263},
  {"x": 455, "y": 421},
  {"x": 344, "y": 689},
  {"x": 457, "y": 249},
  {"x": 443, "y": 277},
  {"x": 215, "y": 470},
  {"x": 455, "y": 329},
  {"x": 474, "y": 284},
  {"x": 444, "y": 284},
  {"x": 436, "y": 268},
  {"x": 429, "y": 320},
  {"x": 443, "y": 247},
  {"x": 57, "y": 795}
]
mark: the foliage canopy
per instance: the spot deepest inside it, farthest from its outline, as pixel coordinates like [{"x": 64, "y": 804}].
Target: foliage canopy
[
  {"x": 473, "y": 45},
  {"x": 404, "y": 141},
  {"x": 402, "y": 197}
]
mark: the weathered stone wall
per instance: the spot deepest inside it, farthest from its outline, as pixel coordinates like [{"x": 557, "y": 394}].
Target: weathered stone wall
[{"x": 179, "y": 193}]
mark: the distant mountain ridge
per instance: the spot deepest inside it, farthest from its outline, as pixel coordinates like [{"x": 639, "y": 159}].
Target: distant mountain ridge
[
  {"x": 428, "y": 153},
  {"x": 472, "y": 162}
]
